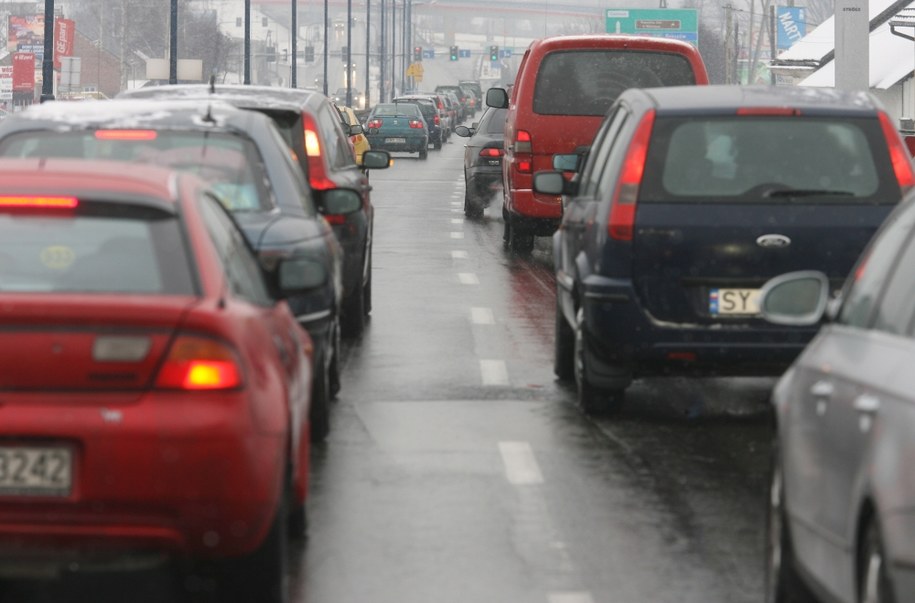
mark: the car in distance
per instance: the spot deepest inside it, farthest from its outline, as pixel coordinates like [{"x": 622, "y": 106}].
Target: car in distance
[
  {"x": 398, "y": 127},
  {"x": 427, "y": 107},
  {"x": 562, "y": 91},
  {"x": 689, "y": 200},
  {"x": 355, "y": 130},
  {"x": 155, "y": 393},
  {"x": 839, "y": 515},
  {"x": 483, "y": 161},
  {"x": 243, "y": 155}
]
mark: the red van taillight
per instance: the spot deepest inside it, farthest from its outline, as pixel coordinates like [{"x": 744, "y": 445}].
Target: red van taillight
[
  {"x": 524, "y": 149},
  {"x": 314, "y": 151},
  {"x": 622, "y": 210},
  {"x": 899, "y": 156},
  {"x": 200, "y": 363}
]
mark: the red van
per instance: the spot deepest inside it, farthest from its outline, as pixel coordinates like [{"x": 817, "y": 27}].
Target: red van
[{"x": 562, "y": 91}]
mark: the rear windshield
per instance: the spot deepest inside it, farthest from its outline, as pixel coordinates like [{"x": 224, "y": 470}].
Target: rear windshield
[
  {"x": 723, "y": 158},
  {"x": 586, "y": 82},
  {"x": 401, "y": 109},
  {"x": 101, "y": 248},
  {"x": 230, "y": 163},
  {"x": 427, "y": 109}
]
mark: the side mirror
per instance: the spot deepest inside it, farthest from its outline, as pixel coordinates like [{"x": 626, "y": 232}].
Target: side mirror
[
  {"x": 463, "y": 131},
  {"x": 566, "y": 163},
  {"x": 300, "y": 275},
  {"x": 553, "y": 183},
  {"x": 475, "y": 125},
  {"x": 356, "y": 129},
  {"x": 376, "y": 160},
  {"x": 340, "y": 201},
  {"x": 497, "y": 98},
  {"x": 796, "y": 298}
]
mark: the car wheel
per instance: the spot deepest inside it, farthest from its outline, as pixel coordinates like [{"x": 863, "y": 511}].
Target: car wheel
[
  {"x": 783, "y": 584},
  {"x": 874, "y": 583},
  {"x": 297, "y": 520},
  {"x": 354, "y": 313},
  {"x": 520, "y": 240},
  {"x": 260, "y": 575},
  {"x": 591, "y": 399},
  {"x": 367, "y": 294},
  {"x": 437, "y": 145},
  {"x": 424, "y": 154},
  {"x": 506, "y": 229},
  {"x": 334, "y": 376},
  {"x": 319, "y": 411},
  {"x": 563, "y": 347},
  {"x": 472, "y": 209}
]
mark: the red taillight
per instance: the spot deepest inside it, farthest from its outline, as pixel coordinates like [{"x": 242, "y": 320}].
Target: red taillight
[
  {"x": 373, "y": 123},
  {"x": 436, "y": 120},
  {"x": 125, "y": 134},
  {"x": 523, "y": 148},
  {"x": 622, "y": 210},
  {"x": 782, "y": 111},
  {"x": 38, "y": 201},
  {"x": 490, "y": 152},
  {"x": 335, "y": 219},
  {"x": 317, "y": 174},
  {"x": 199, "y": 363},
  {"x": 902, "y": 163},
  {"x": 416, "y": 124}
]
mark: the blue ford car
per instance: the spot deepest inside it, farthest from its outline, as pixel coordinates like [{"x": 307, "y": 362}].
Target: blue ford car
[{"x": 686, "y": 203}]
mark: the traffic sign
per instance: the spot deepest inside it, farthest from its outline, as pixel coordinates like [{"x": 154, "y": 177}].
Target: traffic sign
[
  {"x": 675, "y": 23},
  {"x": 505, "y": 53},
  {"x": 428, "y": 53},
  {"x": 415, "y": 70},
  {"x": 464, "y": 54}
]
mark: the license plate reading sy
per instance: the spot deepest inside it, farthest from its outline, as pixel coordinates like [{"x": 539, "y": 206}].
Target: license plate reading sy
[{"x": 733, "y": 302}]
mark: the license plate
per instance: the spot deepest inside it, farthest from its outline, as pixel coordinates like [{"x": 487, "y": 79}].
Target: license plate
[
  {"x": 733, "y": 301},
  {"x": 28, "y": 470},
  {"x": 395, "y": 140}
]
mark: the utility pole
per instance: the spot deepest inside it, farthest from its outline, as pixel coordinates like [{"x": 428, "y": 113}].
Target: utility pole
[
  {"x": 47, "y": 63},
  {"x": 173, "y": 43},
  {"x": 247, "y": 76},
  {"x": 393, "y": 48},
  {"x": 728, "y": 45},
  {"x": 325, "y": 47},
  {"x": 368, "y": 49},
  {"x": 349, "y": 53},
  {"x": 772, "y": 25},
  {"x": 294, "y": 54},
  {"x": 382, "y": 55}
]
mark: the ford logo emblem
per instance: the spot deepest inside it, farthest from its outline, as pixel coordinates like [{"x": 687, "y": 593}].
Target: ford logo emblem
[{"x": 773, "y": 240}]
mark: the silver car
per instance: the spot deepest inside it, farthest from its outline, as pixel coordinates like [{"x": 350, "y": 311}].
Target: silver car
[{"x": 841, "y": 521}]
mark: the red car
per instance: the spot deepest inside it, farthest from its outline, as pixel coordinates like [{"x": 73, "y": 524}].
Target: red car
[
  {"x": 563, "y": 89},
  {"x": 153, "y": 393}
]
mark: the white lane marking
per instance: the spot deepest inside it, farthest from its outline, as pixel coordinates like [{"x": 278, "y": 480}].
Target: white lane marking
[
  {"x": 494, "y": 372},
  {"x": 468, "y": 278},
  {"x": 521, "y": 467},
  {"x": 457, "y": 221},
  {"x": 457, "y": 203},
  {"x": 571, "y": 597},
  {"x": 457, "y": 210},
  {"x": 482, "y": 316},
  {"x": 459, "y": 254},
  {"x": 457, "y": 235}
]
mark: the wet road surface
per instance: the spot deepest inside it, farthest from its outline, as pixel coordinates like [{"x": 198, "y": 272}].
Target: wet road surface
[{"x": 459, "y": 470}]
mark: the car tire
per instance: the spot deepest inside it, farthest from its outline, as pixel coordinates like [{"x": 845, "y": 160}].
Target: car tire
[
  {"x": 334, "y": 376},
  {"x": 259, "y": 577},
  {"x": 354, "y": 313},
  {"x": 424, "y": 154},
  {"x": 783, "y": 584},
  {"x": 506, "y": 228},
  {"x": 591, "y": 399},
  {"x": 297, "y": 520},
  {"x": 874, "y": 584},
  {"x": 472, "y": 208},
  {"x": 563, "y": 347},
  {"x": 520, "y": 239},
  {"x": 319, "y": 411}
]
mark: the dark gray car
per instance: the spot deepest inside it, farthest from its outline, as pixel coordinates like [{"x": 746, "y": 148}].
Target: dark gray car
[
  {"x": 483, "y": 160},
  {"x": 842, "y": 498},
  {"x": 245, "y": 158}
]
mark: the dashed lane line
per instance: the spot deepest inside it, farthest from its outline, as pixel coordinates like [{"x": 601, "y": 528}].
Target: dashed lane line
[{"x": 520, "y": 466}]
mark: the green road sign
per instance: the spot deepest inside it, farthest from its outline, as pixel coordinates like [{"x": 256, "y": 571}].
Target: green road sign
[{"x": 679, "y": 24}]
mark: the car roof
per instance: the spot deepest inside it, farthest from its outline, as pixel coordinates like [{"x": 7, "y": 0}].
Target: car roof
[
  {"x": 604, "y": 41},
  {"x": 728, "y": 99},
  {"x": 238, "y": 95}
]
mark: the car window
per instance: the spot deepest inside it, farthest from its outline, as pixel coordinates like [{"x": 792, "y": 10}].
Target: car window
[
  {"x": 599, "y": 155},
  {"x": 231, "y": 163},
  {"x": 896, "y": 310},
  {"x": 339, "y": 154},
  {"x": 243, "y": 272},
  {"x": 493, "y": 121},
  {"x": 587, "y": 82},
  {"x": 295, "y": 169},
  {"x": 870, "y": 274},
  {"x": 727, "y": 158},
  {"x": 102, "y": 247},
  {"x": 393, "y": 110}
]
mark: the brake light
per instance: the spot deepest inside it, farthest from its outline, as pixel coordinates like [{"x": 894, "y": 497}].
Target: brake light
[
  {"x": 782, "y": 111},
  {"x": 335, "y": 219},
  {"x": 523, "y": 143},
  {"x": 902, "y": 162},
  {"x": 373, "y": 123},
  {"x": 490, "y": 152},
  {"x": 125, "y": 134},
  {"x": 622, "y": 210},
  {"x": 416, "y": 124},
  {"x": 317, "y": 175},
  {"x": 199, "y": 363},
  {"x": 523, "y": 149},
  {"x": 312, "y": 144},
  {"x": 38, "y": 202},
  {"x": 436, "y": 120}
]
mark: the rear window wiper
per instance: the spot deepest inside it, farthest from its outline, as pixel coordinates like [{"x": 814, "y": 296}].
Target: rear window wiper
[{"x": 808, "y": 192}]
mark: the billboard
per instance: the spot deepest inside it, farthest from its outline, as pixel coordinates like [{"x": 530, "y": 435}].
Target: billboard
[
  {"x": 23, "y": 72},
  {"x": 791, "y": 25},
  {"x": 26, "y": 34}
]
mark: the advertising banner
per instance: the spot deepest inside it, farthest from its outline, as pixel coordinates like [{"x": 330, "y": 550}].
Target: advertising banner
[
  {"x": 26, "y": 34},
  {"x": 791, "y": 25},
  {"x": 23, "y": 72},
  {"x": 64, "y": 30}
]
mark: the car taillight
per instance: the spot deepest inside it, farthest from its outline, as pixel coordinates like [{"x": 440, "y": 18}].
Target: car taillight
[
  {"x": 436, "y": 120},
  {"x": 490, "y": 152},
  {"x": 902, "y": 162},
  {"x": 200, "y": 363},
  {"x": 416, "y": 124},
  {"x": 314, "y": 151},
  {"x": 622, "y": 210},
  {"x": 125, "y": 134},
  {"x": 38, "y": 202},
  {"x": 373, "y": 123},
  {"x": 524, "y": 147}
]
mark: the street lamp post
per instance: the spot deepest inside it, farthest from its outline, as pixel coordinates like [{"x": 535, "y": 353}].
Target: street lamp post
[
  {"x": 247, "y": 42},
  {"x": 368, "y": 50},
  {"x": 349, "y": 53},
  {"x": 47, "y": 63},
  {"x": 325, "y": 47},
  {"x": 294, "y": 54},
  {"x": 393, "y": 47},
  {"x": 381, "y": 54}
]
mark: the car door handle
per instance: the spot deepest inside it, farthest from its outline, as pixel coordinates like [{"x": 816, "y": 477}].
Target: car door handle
[
  {"x": 868, "y": 404},
  {"x": 823, "y": 389}
]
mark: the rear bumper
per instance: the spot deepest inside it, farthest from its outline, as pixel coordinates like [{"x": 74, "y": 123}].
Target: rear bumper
[
  {"x": 529, "y": 204},
  {"x": 163, "y": 474},
  {"x": 411, "y": 144},
  {"x": 622, "y": 335}
]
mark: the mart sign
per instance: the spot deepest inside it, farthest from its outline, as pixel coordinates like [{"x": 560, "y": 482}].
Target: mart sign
[{"x": 677, "y": 24}]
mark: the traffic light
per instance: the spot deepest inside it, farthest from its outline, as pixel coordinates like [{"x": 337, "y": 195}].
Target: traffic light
[
  {"x": 493, "y": 53},
  {"x": 418, "y": 53},
  {"x": 454, "y": 53}
]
